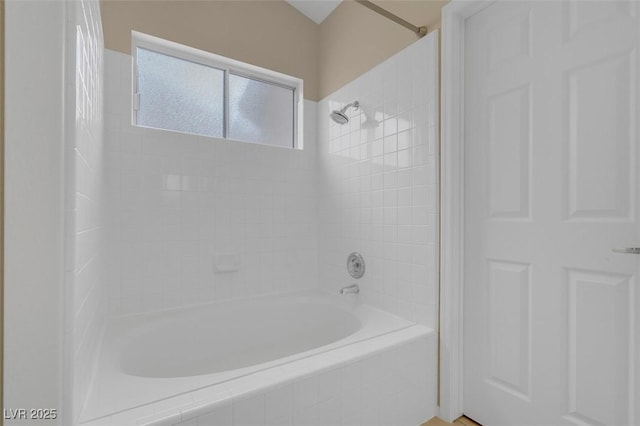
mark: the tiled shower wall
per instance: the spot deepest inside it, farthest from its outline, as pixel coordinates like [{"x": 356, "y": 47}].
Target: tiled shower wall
[
  {"x": 178, "y": 202},
  {"x": 183, "y": 207},
  {"x": 85, "y": 198},
  {"x": 378, "y": 184}
]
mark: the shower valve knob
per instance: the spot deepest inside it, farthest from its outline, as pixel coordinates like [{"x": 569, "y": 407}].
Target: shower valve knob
[{"x": 355, "y": 265}]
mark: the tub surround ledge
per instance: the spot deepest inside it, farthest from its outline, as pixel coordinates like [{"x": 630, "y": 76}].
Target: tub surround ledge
[{"x": 394, "y": 362}]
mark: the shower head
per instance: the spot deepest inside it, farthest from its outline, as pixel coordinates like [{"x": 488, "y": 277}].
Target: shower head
[{"x": 339, "y": 116}]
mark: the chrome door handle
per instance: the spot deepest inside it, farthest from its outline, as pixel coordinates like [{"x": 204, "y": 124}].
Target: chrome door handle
[{"x": 630, "y": 250}]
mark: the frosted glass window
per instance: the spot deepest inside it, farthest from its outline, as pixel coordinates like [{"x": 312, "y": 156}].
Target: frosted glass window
[
  {"x": 260, "y": 112},
  {"x": 176, "y": 94},
  {"x": 188, "y": 90}
]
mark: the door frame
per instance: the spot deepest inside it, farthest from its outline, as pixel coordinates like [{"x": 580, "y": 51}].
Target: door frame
[{"x": 454, "y": 16}]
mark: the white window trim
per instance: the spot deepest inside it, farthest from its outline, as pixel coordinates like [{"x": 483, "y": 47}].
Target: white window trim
[{"x": 227, "y": 65}]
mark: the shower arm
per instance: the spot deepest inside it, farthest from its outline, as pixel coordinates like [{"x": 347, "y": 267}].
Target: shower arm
[
  {"x": 354, "y": 104},
  {"x": 419, "y": 31}
]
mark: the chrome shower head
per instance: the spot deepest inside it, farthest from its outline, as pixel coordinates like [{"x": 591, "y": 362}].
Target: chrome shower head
[{"x": 339, "y": 116}]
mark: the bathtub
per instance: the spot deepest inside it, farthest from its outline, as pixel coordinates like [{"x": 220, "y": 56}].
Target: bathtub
[{"x": 172, "y": 366}]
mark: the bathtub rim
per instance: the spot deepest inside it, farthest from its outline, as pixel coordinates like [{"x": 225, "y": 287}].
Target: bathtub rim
[
  {"x": 219, "y": 395},
  {"x": 199, "y": 383}
]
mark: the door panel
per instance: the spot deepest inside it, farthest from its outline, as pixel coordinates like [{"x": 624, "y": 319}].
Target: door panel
[
  {"x": 551, "y": 92},
  {"x": 509, "y": 155},
  {"x": 509, "y": 326},
  {"x": 599, "y": 347},
  {"x": 600, "y": 150}
]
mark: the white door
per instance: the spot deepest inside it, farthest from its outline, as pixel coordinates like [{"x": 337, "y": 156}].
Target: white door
[{"x": 551, "y": 147}]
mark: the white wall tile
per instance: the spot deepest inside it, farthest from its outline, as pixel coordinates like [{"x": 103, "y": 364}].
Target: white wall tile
[
  {"x": 328, "y": 385},
  {"x": 305, "y": 393},
  {"x": 306, "y": 417},
  {"x": 394, "y": 200},
  {"x": 249, "y": 411},
  {"x": 279, "y": 405},
  {"x": 221, "y": 416},
  {"x": 329, "y": 412},
  {"x": 222, "y": 197}
]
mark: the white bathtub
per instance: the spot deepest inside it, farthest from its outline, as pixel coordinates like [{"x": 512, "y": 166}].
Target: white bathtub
[
  {"x": 233, "y": 336},
  {"x": 154, "y": 365}
]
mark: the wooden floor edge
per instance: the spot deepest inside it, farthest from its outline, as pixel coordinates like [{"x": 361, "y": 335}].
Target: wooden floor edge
[{"x": 461, "y": 421}]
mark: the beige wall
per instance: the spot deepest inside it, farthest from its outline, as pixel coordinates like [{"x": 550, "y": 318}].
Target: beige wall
[
  {"x": 354, "y": 39},
  {"x": 269, "y": 34},
  {"x": 274, "y": 35}
]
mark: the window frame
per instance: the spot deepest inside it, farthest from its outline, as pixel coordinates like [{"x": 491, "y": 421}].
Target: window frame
[{"x": 228, "y": 66}]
